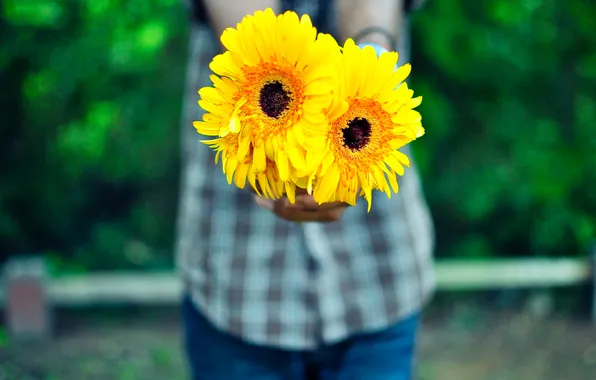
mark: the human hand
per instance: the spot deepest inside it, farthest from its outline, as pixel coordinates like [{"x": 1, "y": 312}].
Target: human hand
[{"x": 305, "y": 209}]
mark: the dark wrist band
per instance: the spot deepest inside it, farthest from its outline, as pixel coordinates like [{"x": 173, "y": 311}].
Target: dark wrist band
[{"x": 376, "y": 30}]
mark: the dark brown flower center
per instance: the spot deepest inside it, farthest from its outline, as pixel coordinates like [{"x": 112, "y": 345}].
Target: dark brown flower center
[
  {"x": 357, "y": 133},
  {"x": 274, "y": 99}
]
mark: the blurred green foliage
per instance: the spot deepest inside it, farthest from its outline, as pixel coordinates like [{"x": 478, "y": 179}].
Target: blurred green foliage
[
  {"x": 89, "y": 149},
  {"x": 509, "y": 108},
  {"x": 91, "y": 98}
]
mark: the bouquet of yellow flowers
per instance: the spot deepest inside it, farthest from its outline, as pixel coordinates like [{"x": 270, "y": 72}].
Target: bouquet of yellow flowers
[{"x": 290, "y": 110}]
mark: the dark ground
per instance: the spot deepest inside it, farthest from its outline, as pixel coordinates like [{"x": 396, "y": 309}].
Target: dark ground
[{"x": 457, "y": 343}]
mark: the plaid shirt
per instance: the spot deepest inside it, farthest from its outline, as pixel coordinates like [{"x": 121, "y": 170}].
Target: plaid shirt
[{"x": 294, "y": 285}]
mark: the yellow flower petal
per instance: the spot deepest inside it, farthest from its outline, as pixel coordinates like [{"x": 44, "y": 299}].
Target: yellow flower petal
[
  {"x": 235, "y": 123},
  {"x": 259, "y": 158},
  {"x": 240, "y": 176},
  {"x": 283, "y": 166}
]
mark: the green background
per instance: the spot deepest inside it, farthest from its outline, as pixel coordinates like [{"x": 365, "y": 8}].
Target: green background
[{"x": 91, "y": 104}]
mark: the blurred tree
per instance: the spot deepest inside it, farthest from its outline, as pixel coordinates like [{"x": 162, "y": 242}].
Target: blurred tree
[
  {"x": 508, "y": 157},
  {"x": 92, "y": 97}
]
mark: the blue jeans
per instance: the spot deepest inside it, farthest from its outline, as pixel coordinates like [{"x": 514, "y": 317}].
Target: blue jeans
[{"x": 215, "y": 355}]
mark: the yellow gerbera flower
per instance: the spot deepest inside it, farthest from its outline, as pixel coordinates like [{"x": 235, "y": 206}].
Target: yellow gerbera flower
[
  {"x": 371, "y": 117},
  {"x": 272, "y": 87},
  {"x": 266, "y": 183}
]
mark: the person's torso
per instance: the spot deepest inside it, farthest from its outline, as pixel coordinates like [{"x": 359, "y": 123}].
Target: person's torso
[{"x": 295, "y": 285}]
